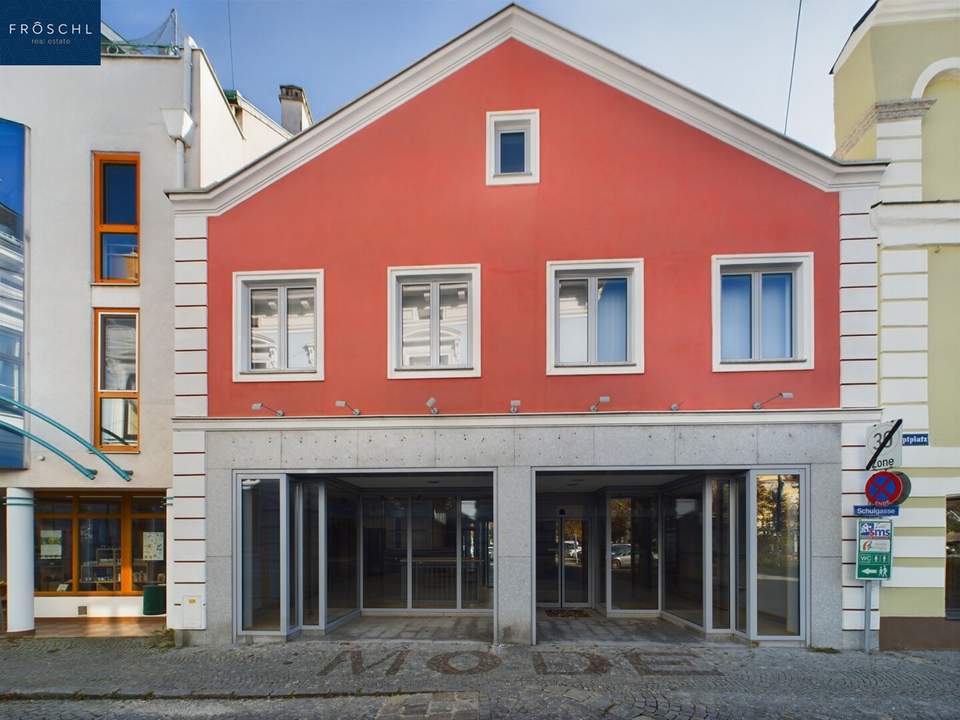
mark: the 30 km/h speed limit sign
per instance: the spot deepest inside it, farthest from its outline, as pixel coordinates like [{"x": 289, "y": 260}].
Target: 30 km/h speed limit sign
[{"x": 885, "y": 445}]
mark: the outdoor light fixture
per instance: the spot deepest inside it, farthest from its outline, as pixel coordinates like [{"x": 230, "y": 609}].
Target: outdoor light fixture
[
  {"x": 676, "y": 406},
  {"x": 602, "y": 400},
  {"x": 780, "y": 395},
  {"x": 432, "y": 404},
  {"x": 514, "y": 406},
  {"x": 345, "y": 404},
  {"x": 261, "y": 406}
]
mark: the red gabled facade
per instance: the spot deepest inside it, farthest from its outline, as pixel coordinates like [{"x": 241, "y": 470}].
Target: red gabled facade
[{"x": 618, "y": 179}]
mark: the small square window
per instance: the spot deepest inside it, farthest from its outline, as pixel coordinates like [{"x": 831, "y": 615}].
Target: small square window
[
  {"x": 435, "y": 322},
  {"x": 513, "y": 147},
  {"x": 279, "y": 321},
  {"x": 595, "y": 317},
  {"x": 763, "y": 312}
]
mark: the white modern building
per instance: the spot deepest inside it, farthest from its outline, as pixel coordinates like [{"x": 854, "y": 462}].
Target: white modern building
[{"x": 87, "y": 327}]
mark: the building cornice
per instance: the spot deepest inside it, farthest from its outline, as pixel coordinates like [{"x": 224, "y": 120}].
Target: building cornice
[{"x": 884, "y": 111}]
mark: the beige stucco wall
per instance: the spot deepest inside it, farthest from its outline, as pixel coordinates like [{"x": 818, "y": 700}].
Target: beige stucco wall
[
  {"x": 944, "y": 340},
  {"x": 941, "y": 139}
]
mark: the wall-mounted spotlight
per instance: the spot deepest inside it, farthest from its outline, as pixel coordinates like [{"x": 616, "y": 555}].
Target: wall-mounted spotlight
[
  {"x": 514, "y": 406},
  {"x": 260, "y": 406},
  {"x": 676, "y": 406},
  {"x": 432, "y": 404},
  {"x": 779, "y": 396},
  {"x": 602, "y": 400},
  {"x": 345, "y": 404}
]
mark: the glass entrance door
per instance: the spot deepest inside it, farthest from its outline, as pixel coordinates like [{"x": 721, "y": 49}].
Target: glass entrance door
[{"x": 563, "y": 562}]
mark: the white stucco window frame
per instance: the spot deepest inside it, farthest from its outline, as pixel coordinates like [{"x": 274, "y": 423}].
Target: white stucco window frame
[
  {"x": 633, "y": 269},
  {"x": 526, "y": 121},
  {"x": 397, "y": 275},
  {"x": 803, "y": 316},
  {"x": 240, "y": 280}
]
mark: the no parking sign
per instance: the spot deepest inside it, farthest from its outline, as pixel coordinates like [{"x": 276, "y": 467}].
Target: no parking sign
[{"x": 887, "y": 487}]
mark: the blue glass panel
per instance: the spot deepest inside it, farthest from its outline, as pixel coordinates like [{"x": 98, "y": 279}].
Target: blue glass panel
[
  {"x": 118, "y": 256},
  {"x": 612, "y": 320},
  {"x": 119, "y": 194},
  {"x": 512, "y": 152},
  {"x": 776, "y": 316},
  {"x": 735, "y": 317}
]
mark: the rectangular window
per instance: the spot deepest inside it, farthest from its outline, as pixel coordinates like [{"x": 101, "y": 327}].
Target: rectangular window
[
  {"x": 596, "y": 317},
  {"x": 96, "y": 544},
  {"x": 763, "y": 312},
  {"x": 279, "y": 326},
  {"x": 435, "y": 316},
  {"x": 116, "y": 212},
  {"x": 778, "y": 555},
  {"x": 513, "y": 147},
  {"x": 116, "y": 409},
  {"x": 953, "y": 559}
]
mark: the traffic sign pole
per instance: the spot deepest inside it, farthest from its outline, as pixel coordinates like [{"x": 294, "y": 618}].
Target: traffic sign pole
[{"x": 867, "y": 603}]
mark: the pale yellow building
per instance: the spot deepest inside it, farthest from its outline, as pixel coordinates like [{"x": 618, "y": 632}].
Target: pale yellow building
[{"x": 897, "y": 97}]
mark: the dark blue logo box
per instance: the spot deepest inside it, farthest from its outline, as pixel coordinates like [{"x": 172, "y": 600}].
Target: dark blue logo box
[{"x": 49, "y": 32}]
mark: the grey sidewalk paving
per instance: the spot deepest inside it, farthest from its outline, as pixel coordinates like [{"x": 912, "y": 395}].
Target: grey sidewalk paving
[{"x": 130, "y": 678}]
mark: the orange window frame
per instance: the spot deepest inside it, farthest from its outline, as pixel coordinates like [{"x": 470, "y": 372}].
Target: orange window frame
[
  {"x": 126, "y": 517},
  {"x": 100, "y": 227},
  {"x": 100, "y": 394}
]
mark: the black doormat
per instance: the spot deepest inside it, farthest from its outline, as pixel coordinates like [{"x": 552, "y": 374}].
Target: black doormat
[{"x": 567, "y": 613}]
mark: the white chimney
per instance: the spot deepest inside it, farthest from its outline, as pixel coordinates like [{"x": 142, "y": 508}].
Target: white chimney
[{"x": 294, "y": 109}]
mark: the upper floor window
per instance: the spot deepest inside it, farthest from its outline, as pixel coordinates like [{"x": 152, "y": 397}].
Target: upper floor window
[
  {"x": 595, "y": 317},
  {"x": 116, "y": 408},
  {"x": 434, "y": 328},
  {"x": 116, "y": 212},
  {"x": 763, "y": 312},
  {"x": 513, "y": 147},
  {"x": 279, "y": 326}
]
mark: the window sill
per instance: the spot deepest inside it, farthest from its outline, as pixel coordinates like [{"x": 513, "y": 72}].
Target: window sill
[
  {"x": 514, "y": 179},
  {"x": 762, "y": 365},
  {"x": 611, "y": 369},
  {"x": 432, "y": 373},
  {"x": 119, "y": 450},
  {"x": 115, "y": 283},
  {"x": 315, "y": 376}
]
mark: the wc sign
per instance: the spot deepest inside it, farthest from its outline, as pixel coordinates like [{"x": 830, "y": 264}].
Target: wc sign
[{"x": 874, "y": 549}]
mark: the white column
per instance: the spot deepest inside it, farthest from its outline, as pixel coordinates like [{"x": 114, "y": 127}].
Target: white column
[
  {"x": 899, "y": 139},
  {"x": 19, "y": 560}
]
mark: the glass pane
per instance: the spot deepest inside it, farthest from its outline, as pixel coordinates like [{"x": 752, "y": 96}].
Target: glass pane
[
  {"x": 415, "y": 326},
  {"x": 148, "y": 504},
  {"x": 260, "y": 554},
  {"x": 99, "y": 555},
  {"x": 576, "y": 561},
  {"x": 548, "y": 562},
  {"x": 476, "y": 543},
  {"x": 434, "y": 552},
  {"x": 118, "y": 352},
  {"x": 776, "y": 316},
  {"x": 53, "y": 559},
  {"x": 311, "y": 554},
  {"x": 683, "y": 553},
  {"x": 742, "y": 554},
  {"x": 735, "y": 317},
  {"x": 612, "y": 320},
  {"x": 301, "y": 329},
  {"x": 264, "y": 329},
  {"x": 953, "y": 558},
  {"x": 119, "y": 194},
  {"x": 778, "y": 554},
  {"x": 342, "y": 554},
  {"x": 118, "y": 256},
  {"x": 49, "y": 504},
  {"x": 634, "y": 559},
  {"x": 512, "y": 152},
  {"x": 119, "y": 421},
  {"x": 385, "y": 552},
  {"x": 149, "y": 538},
  {"x": 454, "y": 324},
  {"x": 720, "y": 542},
  {"x": 572, "y": 324},
  {"x": 100, "y": 505}
]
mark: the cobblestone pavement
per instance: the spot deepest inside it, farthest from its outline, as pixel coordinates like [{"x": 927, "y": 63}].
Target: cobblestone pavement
[{"x": 131, "y": 678}]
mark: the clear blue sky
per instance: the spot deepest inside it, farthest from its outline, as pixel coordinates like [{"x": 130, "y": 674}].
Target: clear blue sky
[{"x": 734, "y": 51}]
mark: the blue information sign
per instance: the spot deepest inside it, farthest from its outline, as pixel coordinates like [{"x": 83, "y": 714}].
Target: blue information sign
[
  {"x": 876, "y": 511},
  {"x": 50, "y": 32}
]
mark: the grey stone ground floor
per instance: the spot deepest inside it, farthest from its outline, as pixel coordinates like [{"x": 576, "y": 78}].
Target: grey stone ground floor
[{"x": 133, "y": 678}]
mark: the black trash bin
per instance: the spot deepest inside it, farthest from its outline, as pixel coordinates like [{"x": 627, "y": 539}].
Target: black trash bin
[{"x": 154, "y": 599}]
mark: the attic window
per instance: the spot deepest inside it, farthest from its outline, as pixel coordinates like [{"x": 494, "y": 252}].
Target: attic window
[{"x": 513, "y": 147}]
